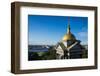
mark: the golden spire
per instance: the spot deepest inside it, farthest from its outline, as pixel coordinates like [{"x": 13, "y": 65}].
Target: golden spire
[
  {"x": 68, "y": 29},
  {"x": 68, "y": 35}
]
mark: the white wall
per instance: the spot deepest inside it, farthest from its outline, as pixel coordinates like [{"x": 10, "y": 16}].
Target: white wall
[{"x": 5, "y": 42}]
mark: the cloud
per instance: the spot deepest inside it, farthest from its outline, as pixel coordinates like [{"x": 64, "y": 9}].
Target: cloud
[{"x": 82, "y": 34}]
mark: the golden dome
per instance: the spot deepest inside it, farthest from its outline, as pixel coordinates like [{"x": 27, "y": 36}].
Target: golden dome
[{"x": 69, "y": 35}]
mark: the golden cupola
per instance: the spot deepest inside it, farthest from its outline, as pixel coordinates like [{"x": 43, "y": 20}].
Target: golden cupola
[{"x": 68, "y": 35}]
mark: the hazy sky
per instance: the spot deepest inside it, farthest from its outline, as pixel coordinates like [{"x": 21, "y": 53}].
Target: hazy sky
[{"x": 51, "y": 29}]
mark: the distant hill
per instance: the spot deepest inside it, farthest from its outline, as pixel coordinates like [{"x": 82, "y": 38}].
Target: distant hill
[{"x": 38, "y": 48}]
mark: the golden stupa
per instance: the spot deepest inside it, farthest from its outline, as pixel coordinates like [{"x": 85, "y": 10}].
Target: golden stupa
[{"x": 68, "y": 35}]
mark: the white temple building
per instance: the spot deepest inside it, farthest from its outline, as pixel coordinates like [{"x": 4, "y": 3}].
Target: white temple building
[{"x": 69, "y": 47}]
